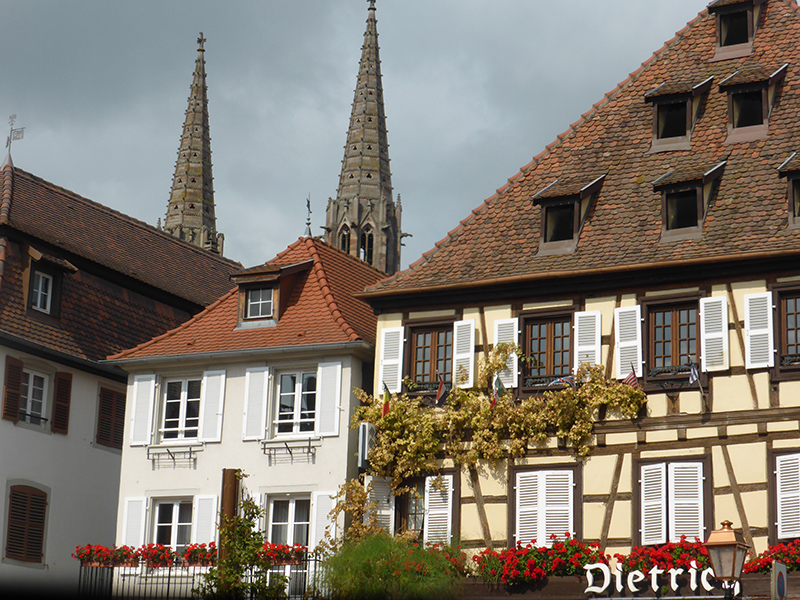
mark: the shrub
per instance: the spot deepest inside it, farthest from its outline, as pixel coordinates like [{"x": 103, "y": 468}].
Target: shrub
[
  {"x": 671, "y": 555},
  {"x": 381, "y": 567},
  {"x": 788, "y": 553}
]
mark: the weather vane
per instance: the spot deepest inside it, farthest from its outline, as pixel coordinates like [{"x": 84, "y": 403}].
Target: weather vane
[{"x": 14, "y": 134}]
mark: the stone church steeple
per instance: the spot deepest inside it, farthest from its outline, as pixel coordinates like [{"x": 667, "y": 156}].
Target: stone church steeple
[
  {"x": 190, "y": 212},
  {"x": 363, "y": 220}
]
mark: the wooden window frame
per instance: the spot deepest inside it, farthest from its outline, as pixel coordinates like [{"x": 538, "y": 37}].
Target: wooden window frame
[
  {"x": 249, "y": 302},
  {"x": 780, "y": 293},
  {"x": 19, "y": 525},
  {"x": 549, "y": 316},
  {"x": 708, "y": 492},
  {"x": 547, "y": 246},
  {"x": 748, "y": 133},
  {"x": 577, "y": 496},
  {"x": 417, "y": 492},
  {"x": 56, "y": 281},
  {"x": 110, "y": 418},
  {"x": 655, "y": 382},
  {"x": 729, "y": 51},
  {"x": 427, "y": 388},
  {"x": 793, "y": 196},
  {"x": 455, "y": 516},
  {"x": 667, "y": 193},
  {"x": 681, "y": 142}
]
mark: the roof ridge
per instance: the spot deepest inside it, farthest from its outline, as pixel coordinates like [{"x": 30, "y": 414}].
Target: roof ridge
[
  {"x": 119, "y": 215},
  {"x": 632, "y": 77},
  {"x": 175, "y": 330},
  {"x": 5, "y": 201},
  {"x": 327, "y": 293}
]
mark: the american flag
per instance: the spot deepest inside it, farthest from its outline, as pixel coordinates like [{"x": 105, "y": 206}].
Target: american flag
[{"x": 632, "y": 380}]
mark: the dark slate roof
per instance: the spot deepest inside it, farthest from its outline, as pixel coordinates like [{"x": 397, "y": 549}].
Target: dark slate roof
[
  {"x": 747, "y": 215},
  {"x": 321, "y": 309},
  {"x": 112, "y": 239}
]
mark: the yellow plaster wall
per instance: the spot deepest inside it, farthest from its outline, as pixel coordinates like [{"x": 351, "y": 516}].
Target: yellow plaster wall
[
  {"x": 657, "y": 405},
  {"x": 786, "y": 444},
  {"x": 496, "y": 313},
  {"x": 626, "y": 477},
  {"x": 725, "y": 508},
  {"x": 598, "y": 474},
  {"x": 673, "y": 292},
  {"x": 620, "y": 438},
  {"x": 494, "y": 480},
  {"x": 621, "y": 519},
  {"x": 431, "y": 314},
  {"x": 691, "y": 402},
  {"x": 606, "y": 307},
  {"x": 739, "y": 290},
  {"x": 742, "y": 429},
  {"x": 720, "y": 472},
  {"x": 593, "y": 515},
  {"x": 701, "y": 432},
  {"x": 749, "y": 462},
  {"x": 755, "y": 507},
  {"x": 783, "y": 426},
  {"x": 789, "y": 393},
  {"x": 541, "y": 305},
  {"x": 497, "y": 516},
  {"x": 666, "y": 435},
  {"x": 681, "y": 452},
  {"x": 732, "y": 393}
]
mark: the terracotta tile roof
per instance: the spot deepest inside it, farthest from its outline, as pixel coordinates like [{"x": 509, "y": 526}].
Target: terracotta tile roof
[
  {"x": 321, "y": 310},
  {"x": 111, "y": 239},
  {"x": 748, "y": 212}
]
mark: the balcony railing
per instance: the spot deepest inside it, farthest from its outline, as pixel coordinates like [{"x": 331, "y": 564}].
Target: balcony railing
[{"x": 180, "y": 581}]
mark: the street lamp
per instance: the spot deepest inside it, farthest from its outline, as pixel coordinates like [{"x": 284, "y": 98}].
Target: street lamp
[{"x": 727, "y": 551}]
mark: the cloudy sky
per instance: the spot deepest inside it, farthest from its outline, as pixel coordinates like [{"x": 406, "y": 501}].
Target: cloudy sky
[{"x": 473, "y": 90}]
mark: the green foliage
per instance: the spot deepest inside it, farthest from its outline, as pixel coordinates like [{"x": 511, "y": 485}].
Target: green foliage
[
  {"x": 242, "y": 571},
  {"x": 472, "y": 427},
  {"x": 381, "y": 567}
]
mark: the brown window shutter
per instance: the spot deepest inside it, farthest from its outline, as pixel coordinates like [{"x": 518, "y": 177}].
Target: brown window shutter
[
  {"x": 61, "y": 401},
  {"x": 11, "y": 390},
  {"x": 27, "y": 507},
  {"x": 111, "y": 420}
]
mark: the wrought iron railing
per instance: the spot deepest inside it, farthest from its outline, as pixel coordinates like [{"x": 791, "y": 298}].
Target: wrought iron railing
[{"x": 178, "y": 581}]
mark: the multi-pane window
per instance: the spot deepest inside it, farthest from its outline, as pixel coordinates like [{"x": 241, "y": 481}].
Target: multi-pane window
[
  {"x": 431, "y": 357},
  {"x": 547, "y": 350},
  {"x": 790, "y": 334},
  {"x": 673, "y": 338},
  {"x": 33, "y": 397},
  {"x": 181, "y": 409},
  {"x": 289, "y": 520},
  {"x": 27, "y": 508},
  {"x": 42, "y": 292},
  {"x": 412, "y": 508},
  {"x": 173, "y": 525},
  {"x": 259, "y": 303},
  {"x": 297, "y": 402}
]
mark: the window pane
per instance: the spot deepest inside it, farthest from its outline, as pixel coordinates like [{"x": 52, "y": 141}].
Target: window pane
[
  {"x": 682, "y": 209},
  {"x": 671, "y": 120},
  {"x": 559, "y": 222},
  {"x": 748, "y": 109},
  {"x": 734, "y": 28}
]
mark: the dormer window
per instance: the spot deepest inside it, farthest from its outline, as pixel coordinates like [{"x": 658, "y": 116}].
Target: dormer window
[
  {"x": 565, "y": 204},
  {"x": 685, "y": 197},
  {"x": 751, "y": 95},
  {"x": 675, "y": 109},
  {"x": 259, "y": 303},
  {"x": 42, "y": 292},
  {"x": 791, "y": 170},
  {"x": 736, "y": 22}
]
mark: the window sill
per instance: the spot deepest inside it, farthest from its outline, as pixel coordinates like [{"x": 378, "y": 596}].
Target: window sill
[
  {"x": 256, "y": 324},
  {"x": 670, "y": 144},
  {"x": 735, "y": 51},
  {"x": 747, "y": 134},
  {"x": 679, "y": 235},
  {"x": 556, "y": 248}
]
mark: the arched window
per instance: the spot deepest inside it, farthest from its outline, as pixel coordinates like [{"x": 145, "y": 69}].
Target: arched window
[
  {"x": 344, "y": 239},
  {"x": 365, "y": 245}
]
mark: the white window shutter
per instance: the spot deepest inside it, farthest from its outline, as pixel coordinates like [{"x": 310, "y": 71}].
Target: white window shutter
[
  {"x": 464, "y": 353},
  {"x": 654, "y": 504},
  {"x": 685, "y": 484},
  {"x": 759, "y": 342},
  {"x": 628, "y": 350},
  {"x": 558, "y": 515},
  {"x": 714, "y": 334},
  {"x": 381, "y": 494},
  {"x": 329, "y": 392},
  {"x": 144, "y": 399},
  {"x": 256, "y": 394},
  {"x": 204, "y": 526},
  {"x": 528, "y": 518},
  {"x": 133, "y": 521},
  {"x": 211, "y": 406},
  {"x": 788, "y": 492},
  {"x": 322, "y": 504},
  {"x": 587, "y": 338},
  {"x": 391, "y": 364},
  {"x": 507, "y": 330},
  {"x": 438, "y": 510}
]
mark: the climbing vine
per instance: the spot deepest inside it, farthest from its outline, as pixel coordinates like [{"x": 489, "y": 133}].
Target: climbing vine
[{"x": 473, "y": 425}]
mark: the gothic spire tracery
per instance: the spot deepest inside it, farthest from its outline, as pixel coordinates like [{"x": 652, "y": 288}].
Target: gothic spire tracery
[
  {"x": 191, "y": 212},
  {"x": 364, "y": 215}
]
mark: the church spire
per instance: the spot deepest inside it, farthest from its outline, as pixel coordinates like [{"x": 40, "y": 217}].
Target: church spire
[
  {"x": 362, "y": 220},
  {"x": 190, "y": 212}
]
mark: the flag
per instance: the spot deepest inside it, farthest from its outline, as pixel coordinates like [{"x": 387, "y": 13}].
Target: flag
[
  {"x": 385, "y": 400},
  {"x": 566, "y": 380},
  {"x": 632, "y": 380},
  {"x": 497, "y": 390},
  {"x": 441, "y": 392},
  {"x": 694, "y": 375}
]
